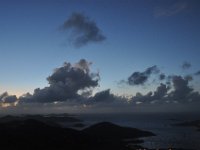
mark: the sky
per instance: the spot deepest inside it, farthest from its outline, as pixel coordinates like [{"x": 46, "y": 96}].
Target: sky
[{"x": 125, "y": 45}]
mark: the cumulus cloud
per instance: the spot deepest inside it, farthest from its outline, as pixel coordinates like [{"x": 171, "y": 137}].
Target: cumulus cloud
[
  {"x": 170, "y": 8},
  {"x": 103, "y": 96},
  {"x": 180, "y": 92},
  {"x": 186, "y": 65},
  {"x": 5, "y": 94},
  {"x": 151, "y": 97},
  {"x": 188, "y": 77},
  {"x": 65, "y": 84},
  {"x": 106, "y": 96},
  {"x": 183, "y": 92},
  {"x": 84, "y": 30},
  {"x": 139, "y": 78},
  {"x": 161, "y": 91},
  {"x": 8, "y": 100}
]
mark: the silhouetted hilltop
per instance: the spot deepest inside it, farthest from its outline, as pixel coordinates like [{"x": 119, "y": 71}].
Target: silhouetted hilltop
[
  {"x": 51, "y": 119},
  {"x": 33, "y": 134},
  {"x": 109, "y": 130}
]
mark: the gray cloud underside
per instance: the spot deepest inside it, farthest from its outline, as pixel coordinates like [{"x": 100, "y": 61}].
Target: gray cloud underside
[{"x": 84, "y": 30}]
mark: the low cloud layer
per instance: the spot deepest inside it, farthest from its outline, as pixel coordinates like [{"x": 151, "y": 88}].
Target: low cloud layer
[
  {"x": 71, "y": 86},
  {"x": 84, "y": 30},
  {"x": 139, "y": 78}
]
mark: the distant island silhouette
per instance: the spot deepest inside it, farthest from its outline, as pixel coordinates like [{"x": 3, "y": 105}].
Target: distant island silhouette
[{"x": 195, "y": 123}]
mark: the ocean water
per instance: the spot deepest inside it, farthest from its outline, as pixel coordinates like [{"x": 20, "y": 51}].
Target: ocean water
[{"x": 158, "y": 123}]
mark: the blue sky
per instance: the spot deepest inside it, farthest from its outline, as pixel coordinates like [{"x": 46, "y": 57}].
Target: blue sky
[{"x": 139, "y": 34}]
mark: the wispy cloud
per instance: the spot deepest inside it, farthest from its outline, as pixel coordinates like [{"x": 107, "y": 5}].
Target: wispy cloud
[
  {"x": 197, "y": 73},
  {"x": 84, "y": 30},
  {"x": 170, "y": 9},
  {"x": 139, "y": 78},
  {"x": 186, "y": 65}
]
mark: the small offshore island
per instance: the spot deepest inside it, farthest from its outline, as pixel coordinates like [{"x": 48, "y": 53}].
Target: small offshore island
[{"x": 195, "y": 123}]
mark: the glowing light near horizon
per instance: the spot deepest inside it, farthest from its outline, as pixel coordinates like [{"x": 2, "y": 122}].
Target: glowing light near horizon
[{"x": 5, "y": 105}]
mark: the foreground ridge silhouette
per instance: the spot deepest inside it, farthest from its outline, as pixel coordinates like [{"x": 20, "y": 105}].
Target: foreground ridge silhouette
[{"x": 34, "y": 134}]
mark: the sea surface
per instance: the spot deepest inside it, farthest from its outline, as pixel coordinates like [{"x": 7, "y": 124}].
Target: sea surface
[{"x": 161, "y": 124}]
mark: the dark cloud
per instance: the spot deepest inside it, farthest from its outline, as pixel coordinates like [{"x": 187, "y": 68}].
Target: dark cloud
[
  {"x": 140, "y": 98},
  {"x": 65, "y": 84},
  {"x": 107, "y": 99},
  {"x": 182, "y": 90},
  {"x": 103, "y": 96},
  {"x": 5, "y": 98},
  {"x": 161, "y": 91},
  {"x": 197, "y": 73},
  {"x": 170, "y": 8},
  {"x": 139, "y": 78},
  {"x": 5, "y": 94},
  {"x": 158, "y": 95},
  {"x": 162, "y": 76},
  {"x": 10, "y": 99},
  {"x": 152, "y": 70},
  {"x": 186, "y": 65},
  {"x": 188, "y": 77},
  {"x": 84, "y": 30}
]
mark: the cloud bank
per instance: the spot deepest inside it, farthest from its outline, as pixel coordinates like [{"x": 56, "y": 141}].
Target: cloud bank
[
  {"x": 84, "y": 30},
  {"x": 180, "y": 92},
  {"x": 71, "y": 87}
]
